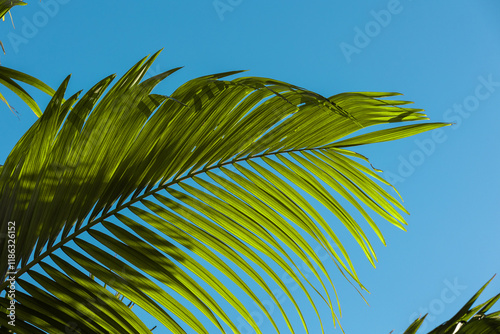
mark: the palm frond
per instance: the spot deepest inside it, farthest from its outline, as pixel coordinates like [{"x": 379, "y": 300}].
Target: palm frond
[
  {"x": 190, "y": 191},
  {"x": 469, "y": 319}
]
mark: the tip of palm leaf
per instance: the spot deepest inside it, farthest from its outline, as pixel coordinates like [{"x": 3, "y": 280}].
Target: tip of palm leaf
[
  {"x": 401, "y": 197},
  {"x": 374, "y": 168},
  {"x": 489, "y": 281},
  {"x": 223, "y": 74},
  {"x": 157, "y": 53},
  {"x": 379, "y": 94},
  {"x": 444, "y": 124}
]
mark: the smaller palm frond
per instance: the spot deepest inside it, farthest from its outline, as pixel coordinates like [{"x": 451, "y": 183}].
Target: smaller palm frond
[
  {"x": 8, "y": 78},
  {"x": 469, "y": 319},
  {"x": 5, "y": 7}
]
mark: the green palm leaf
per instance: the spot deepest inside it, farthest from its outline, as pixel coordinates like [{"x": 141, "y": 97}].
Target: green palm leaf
[
  {"x": 468, "y": 320},
  {"x": 190, "y": 191}
]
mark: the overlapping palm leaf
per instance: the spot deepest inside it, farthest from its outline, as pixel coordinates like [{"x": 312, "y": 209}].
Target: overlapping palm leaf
[
  {"x": 468, "y": 320},
  {"x": 9, "y": 78},
  {"x": 198, "y": 186}
]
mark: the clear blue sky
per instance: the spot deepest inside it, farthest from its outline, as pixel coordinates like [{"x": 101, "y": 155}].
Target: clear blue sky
[{"x": 444, "y": 55}]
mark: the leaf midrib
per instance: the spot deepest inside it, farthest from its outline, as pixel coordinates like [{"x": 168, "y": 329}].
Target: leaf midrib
[{"x": 129, "y": 203}]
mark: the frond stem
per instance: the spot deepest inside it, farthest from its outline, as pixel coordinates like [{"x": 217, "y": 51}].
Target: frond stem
[{"x": 127, "y": 204}]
